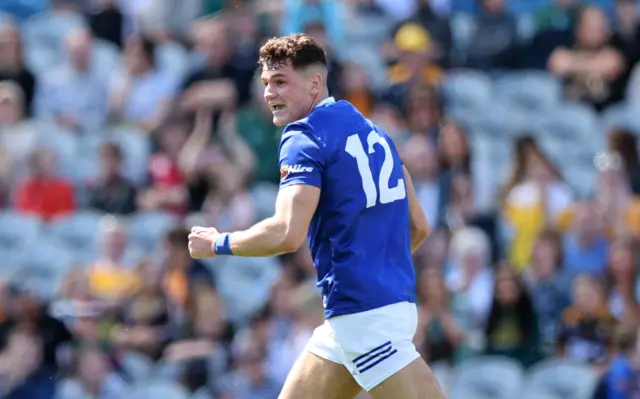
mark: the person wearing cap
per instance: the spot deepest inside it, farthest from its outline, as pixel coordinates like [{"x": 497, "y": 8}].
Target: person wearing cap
[{"x": 415, "y": 59}]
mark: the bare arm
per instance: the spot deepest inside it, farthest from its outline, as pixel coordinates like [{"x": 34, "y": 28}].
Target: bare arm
[
  {"x": 283, "y": 232},
  {"x": 238, "y": 149},
  {"x": 608, "y": 65},
  {"x": 419, "y": 224},
  {"x": 196, "y": 143}
]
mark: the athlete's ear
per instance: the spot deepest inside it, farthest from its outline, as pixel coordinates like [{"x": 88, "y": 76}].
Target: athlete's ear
[{"x": 316, "y": 83}]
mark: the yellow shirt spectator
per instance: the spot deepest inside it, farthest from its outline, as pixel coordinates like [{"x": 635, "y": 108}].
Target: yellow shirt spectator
[
  {"x": 111, "y": 282},
  {"x": 528, "y": 211}
]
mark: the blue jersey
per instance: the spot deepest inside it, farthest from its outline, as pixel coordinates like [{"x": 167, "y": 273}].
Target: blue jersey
[{"x": 360, "y": 233}]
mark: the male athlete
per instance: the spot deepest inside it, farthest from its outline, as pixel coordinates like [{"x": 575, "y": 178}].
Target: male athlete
[{"x": 342, "y": 185}]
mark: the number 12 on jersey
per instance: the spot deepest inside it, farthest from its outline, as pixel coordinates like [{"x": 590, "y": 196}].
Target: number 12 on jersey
[{"x": 387, "y": 194}]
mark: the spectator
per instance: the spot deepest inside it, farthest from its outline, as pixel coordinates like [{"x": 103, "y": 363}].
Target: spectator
[
  {"x": 112, "y": 192},
  {"x": 621, "y": 281},
  {"x": 613, "y": 192},
  {"x": 92, "y": 377},
  {"x": 203, "y": 337},
  {"x": 587, "y": 326},
  {"x": 219, "y": 82},
  {"x": 44, "y": 194},
  {"x": 111, "y": 277},
  {"x": 494, "y": 42},
  {"x": 586, "y": 245},
  {"x": 438, "y": 27},
  {"x": 74, "y": 96},
  {"x": 143, "y": 322},
  {"x": 415, "y": 61},
  {"x": 592, "y": 67},
  {"x": 621, "y": 380},
  {"x": 512, "y": 326},
  {"x": 470, "y": 280},
  {"x": 307, "y": 315},
  {"x": 425, "y": 115},
  {"x": 438, "y": 334},
  {"x": 27, "y": 319},
  {"x": 535, "y": 196},
  {"x": 625, "y": 144},
  {"x": 548, "y": 285},
  {"x": 255, "y": 127},
  {"x": 12, "y": 65},
  {"x": 18, "y": 135},
  {"x": 181, "y": 273},
  {"x": 141, "y": 94},
  {"x": 420, "y": 158},
  {"x": 250, "y": 380},
  {"x": 21, "y": 359},
  {"x": 167, "y": 188}
]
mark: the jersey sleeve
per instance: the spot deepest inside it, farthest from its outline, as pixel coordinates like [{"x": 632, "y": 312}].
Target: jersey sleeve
[{"x": 301, "y": 158}]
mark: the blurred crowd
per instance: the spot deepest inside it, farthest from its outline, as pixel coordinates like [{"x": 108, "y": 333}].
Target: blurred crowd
[{"x": 125, "y": 122}]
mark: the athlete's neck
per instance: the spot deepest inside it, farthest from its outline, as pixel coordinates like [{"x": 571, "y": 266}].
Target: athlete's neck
[{"x": 320, "y": 98}]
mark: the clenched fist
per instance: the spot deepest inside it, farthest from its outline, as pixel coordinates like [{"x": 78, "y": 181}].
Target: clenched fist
[{"x": 201, "y": 242}]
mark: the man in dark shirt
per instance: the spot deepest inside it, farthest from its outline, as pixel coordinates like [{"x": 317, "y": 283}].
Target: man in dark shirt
[{"x": 213, "y": 42}]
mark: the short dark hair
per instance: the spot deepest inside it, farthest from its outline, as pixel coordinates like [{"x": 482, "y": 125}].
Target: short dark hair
[{"x": 299, "y": 49}]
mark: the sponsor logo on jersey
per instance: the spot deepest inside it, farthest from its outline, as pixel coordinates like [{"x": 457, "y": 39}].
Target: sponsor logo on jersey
[{"x": 287, "y": 170}]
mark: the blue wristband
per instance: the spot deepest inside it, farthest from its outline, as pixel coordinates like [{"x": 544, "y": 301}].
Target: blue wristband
[{"x": 222, "y": 245}]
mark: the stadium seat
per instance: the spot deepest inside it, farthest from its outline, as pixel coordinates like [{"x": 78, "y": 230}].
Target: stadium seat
[
  {"x": 620, "y": 116},
  {"x": 18, "y": 230},
  {"x": 80, "y": 231},
  {"x": 43, "y": 270},
  {"x": 264, "y": 197},
  {"x": 561, "y": 379},
  {"x": 157, "y": 390},
  {"x": 147, "y": 229},
  {"x": 503, "y": 120},
  {"x": 488, "y": 377},
  {"x": 10, "y": 260},
  {"x": 245, "y": 283},
  {"x": 137, "y": 148},
  {"x": 572, "y": 123},
  {"x": 531, "y": 90},
  {"x": 444, "y": 375},
  {"x": 468, "y": 89},
  {"x": 64, "y": 145}
]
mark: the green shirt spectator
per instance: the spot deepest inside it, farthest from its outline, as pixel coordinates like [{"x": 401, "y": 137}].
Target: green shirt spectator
[{"x": 255, "y": 127}]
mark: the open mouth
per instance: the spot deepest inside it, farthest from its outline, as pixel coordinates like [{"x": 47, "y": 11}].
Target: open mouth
[{"x": 277, "y": 107}]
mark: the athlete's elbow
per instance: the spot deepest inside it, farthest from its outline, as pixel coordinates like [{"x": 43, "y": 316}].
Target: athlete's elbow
[
  {"x": 291, "y": 243},
  {"x": 420, "y": 231}
]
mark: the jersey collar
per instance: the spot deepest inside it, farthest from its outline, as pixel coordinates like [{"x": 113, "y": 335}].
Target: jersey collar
[{"x": 326, "y": 101}]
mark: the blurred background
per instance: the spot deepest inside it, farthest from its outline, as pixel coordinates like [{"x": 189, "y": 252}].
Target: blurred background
[{"x": 125, "y": 122}]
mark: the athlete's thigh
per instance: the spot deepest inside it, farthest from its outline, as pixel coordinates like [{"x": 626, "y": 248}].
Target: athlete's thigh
[
  {"x": 415, "y": 381},
  {"x": 313, "y": 377}
]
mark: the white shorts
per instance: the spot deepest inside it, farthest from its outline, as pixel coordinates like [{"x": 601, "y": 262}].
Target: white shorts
[{"x": 372, "y": 345}]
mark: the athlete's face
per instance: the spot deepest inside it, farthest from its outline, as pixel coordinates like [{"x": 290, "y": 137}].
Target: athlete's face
[{"x": 288, "y": 92}]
